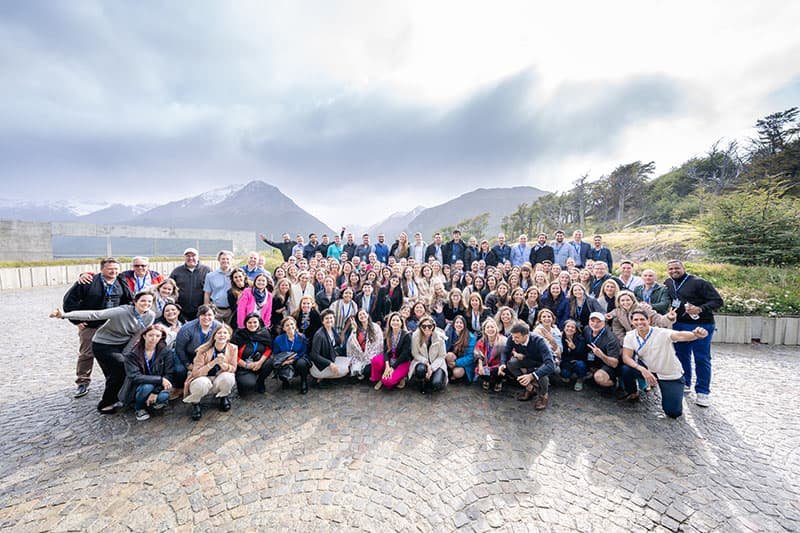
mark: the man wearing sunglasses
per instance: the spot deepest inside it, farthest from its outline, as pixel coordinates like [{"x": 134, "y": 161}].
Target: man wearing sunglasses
[{"x": 140, "y": 276}]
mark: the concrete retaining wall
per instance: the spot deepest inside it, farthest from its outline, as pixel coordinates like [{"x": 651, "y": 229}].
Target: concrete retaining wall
[{"x": 25, "y": 241}]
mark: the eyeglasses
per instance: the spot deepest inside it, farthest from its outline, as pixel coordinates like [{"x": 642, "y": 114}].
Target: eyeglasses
[{"x": 139, "y": 266}]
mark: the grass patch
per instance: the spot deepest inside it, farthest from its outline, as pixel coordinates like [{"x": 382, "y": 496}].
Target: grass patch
[{"x": 757, "y": 290}]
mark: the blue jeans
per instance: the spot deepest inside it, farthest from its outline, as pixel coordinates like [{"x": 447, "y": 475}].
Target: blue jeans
[
  {"x": 671, "y": 390},
  {"x": 701, "y": 348},
  {"x": 143, "y": 391},
  {"x": 573, "y": 368},
  {"x": 180, "y": 372}
]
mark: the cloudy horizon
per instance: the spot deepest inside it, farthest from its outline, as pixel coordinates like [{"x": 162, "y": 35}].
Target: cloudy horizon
[{"x": 407, "y": 103}]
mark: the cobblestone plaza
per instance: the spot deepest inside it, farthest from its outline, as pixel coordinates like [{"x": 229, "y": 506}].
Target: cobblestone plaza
[{"x": 351, "y": 458}]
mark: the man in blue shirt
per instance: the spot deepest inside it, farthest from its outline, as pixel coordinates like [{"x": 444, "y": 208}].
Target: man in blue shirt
[
  {"x": 381, "y": 249},
  {"x": 601, "y": 253},
  {"x": 216, "y": 285},
  {"x": 251, "y": 268},
  {"x": 520, "y": 252}
]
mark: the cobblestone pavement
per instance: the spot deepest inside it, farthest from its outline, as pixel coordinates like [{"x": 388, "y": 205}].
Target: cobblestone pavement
[{"x": 353, "y": 458}]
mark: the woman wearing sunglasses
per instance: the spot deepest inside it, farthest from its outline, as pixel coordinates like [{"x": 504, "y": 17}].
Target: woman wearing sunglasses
[{"x": 429, "y": 366}]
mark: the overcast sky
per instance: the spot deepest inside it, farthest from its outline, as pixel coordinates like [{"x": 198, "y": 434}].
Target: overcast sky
[{"x": 403, "y": 103}]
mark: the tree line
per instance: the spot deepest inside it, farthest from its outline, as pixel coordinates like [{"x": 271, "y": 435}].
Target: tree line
[{"x": 737, "y": 191}]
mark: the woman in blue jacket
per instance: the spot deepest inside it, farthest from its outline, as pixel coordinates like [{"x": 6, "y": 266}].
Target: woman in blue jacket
[
  {"x": 460, "y": 345},
  {"x": 292, "y": 341},
  {"x": 555, "y": 300}
]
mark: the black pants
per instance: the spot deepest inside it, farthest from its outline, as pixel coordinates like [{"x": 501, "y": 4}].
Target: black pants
[
  {"x": 109, "y": 357},
  {"x": 249, "y": 381},
  {"x": 515, "y": 368},
  {"x": 438, "y": 377},
  {"x": 493, "y": 378}
]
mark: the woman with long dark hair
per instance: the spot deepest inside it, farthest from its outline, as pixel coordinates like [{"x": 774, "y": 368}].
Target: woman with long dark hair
[
  {"x": 293, "y": 346},
  {"x": 460, "y": 345},
  {"x": 364, "y": 343},
  {"x": 390, "y": 369},
  {"x": 255, "y": 347},
  {"x": 149, "y": 365},
  {"x": 255, "y": 299},
  {"x": 212, "y": 372},
  {"x": 239, "y": 282},
  {"x": 428, "y": 351}
]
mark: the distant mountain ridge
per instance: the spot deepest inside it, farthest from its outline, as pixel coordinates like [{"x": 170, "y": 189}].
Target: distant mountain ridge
[
  {"x": 256, "y": 206},
  {"x": 498, "y": 202},
  {"x": 395, "y": 223}
]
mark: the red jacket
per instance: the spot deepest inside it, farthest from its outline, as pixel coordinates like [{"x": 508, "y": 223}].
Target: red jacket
[{"x": 130, "y": 279}]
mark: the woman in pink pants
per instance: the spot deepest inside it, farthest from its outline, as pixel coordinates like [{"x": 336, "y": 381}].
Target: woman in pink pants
[{"x": 390, "y": 368}]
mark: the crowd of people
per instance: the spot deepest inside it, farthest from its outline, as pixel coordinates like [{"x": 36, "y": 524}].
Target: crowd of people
[{"x": 411, "y": 313}]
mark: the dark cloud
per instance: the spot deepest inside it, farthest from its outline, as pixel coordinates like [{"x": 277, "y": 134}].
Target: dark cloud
[
  {"x": 497, "y": 130},
  {"x": 159, "y": 92}
]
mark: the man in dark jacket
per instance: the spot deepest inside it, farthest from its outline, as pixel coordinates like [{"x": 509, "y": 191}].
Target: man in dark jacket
[
  {"x": 528, "y": 358},
  {"x": 436, "y": 249},
  {"x": 310, "y": 249},
  {"x": 542, "y": 251},
  {"x": 284, "y": 246},
  {"x": 501, "y": 251},
  {"x": 190, "y": 278},
  {"x": 601, "y": 253},
  {"x": 105, "y": 290},
  {"x": 454, "y": 249},
  {"x": 350, "y": 247},
  {"x": 695, "y": 301},
  {"x": 653, "y": 293},
  {"x": 604, "y": 352}
]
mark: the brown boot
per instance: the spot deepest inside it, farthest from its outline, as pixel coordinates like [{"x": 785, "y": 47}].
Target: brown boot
[
  {"x": 526, "y": 395},
  {"x": 541, "y": 402}
]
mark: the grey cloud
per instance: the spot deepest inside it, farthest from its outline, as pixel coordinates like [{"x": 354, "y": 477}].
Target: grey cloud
[{"x": 497, "y": 130}]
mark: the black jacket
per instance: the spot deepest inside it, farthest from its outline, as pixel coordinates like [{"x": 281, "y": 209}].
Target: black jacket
[
  {"x": 501, "y": 253},
  {"x": 284, "y": 246},
  {"x": 314, "y": 323},
  {"x": 323, "y": 302},
  {"x": 190, "y": 284},
  {"x": 430, "y": 251},
  {"x": 468, "y": 317},
  {"x": 323, "y": 351},
  {"x": 607, "y": 342},
  {"x": 452, "y": 251},
  {"x": 541, "y": 253},
  {"x": 403, "y": 349},
  {"x": 137, "y": 373},
  {"x": 536, "y": 354},
  {"x": 488, "y": 257},
  {"x": 395, "y": 299},
  {"x": 470, "y": 255},
  {"x": 378, "y": 306},
  {"x": 695, "y": 291},
  {"x": 93, "y": 296},
  {"x": 350, "y": 249}
]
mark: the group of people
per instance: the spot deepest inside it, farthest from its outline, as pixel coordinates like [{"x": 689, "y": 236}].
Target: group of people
[{"x": 407, "y": 313}]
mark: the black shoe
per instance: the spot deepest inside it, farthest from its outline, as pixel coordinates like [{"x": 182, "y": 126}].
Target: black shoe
[
  {"x": 82, "y": 390},
  {"x": 197, "y": 411},
  {"x": 303, "y": 386},
  {"x": 261, "y": 388},
  {"x": 224, "y": 404}
]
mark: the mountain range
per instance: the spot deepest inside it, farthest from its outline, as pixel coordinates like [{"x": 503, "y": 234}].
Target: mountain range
[{"x": 261, "y": 207}]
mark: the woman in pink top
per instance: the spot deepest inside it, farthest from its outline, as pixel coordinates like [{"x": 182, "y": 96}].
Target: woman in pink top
[{"x": 255, "y": 299}]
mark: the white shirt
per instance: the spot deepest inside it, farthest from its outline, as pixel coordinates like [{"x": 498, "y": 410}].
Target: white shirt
[{"x": 657, "y": 352}]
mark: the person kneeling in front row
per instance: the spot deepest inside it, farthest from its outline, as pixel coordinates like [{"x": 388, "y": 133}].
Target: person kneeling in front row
[
  {"x": 212, "y": 371},
  {"x": 149, "y": 368},
  {"x": 527, "y": 357},
  {"x": 648, "y": 352}
]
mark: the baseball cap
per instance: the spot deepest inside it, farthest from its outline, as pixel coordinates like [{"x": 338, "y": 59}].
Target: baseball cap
[
  {"x": 598, "y": 315},
  {"x": 191, "y": 251}
]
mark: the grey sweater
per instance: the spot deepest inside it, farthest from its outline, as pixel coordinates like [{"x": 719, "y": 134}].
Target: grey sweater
[{"x": 122, "y": 323}]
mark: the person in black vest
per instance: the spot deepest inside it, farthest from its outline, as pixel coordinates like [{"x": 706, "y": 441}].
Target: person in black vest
[
  {"x": 528, "y": 358},
  {"x": 695, "y": 301},
  {"x": 542, "y": 251},
  {"x": 106, "y": 290}
]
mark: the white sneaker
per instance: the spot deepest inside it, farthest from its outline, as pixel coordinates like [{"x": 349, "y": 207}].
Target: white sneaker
[
  {"x": 687, "y": 389},
  {"x": 142, "y": 415},
  {"x": 703, "y": 400}
]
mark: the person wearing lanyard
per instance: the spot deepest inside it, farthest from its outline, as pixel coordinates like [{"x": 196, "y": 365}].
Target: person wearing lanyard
[
  {"x": 212, "y": 372},
  {"x": 293, "y": 342},
  {"x": 648, "y": 352},
  {"x": 103, "y": 291},
  {"x": 695, "y": 301},
  {"x": 603, "y": 356},
  {"x": 390, "y": 368},
  {"x": 652, "y": 293},
  {"x": 149, "y": 365},
  {"x": 140, "y": 276},
  {"x": 120, "y": 324},
  {"x": 191, "y": 335},
  {"x": 343, "y": 309}
]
